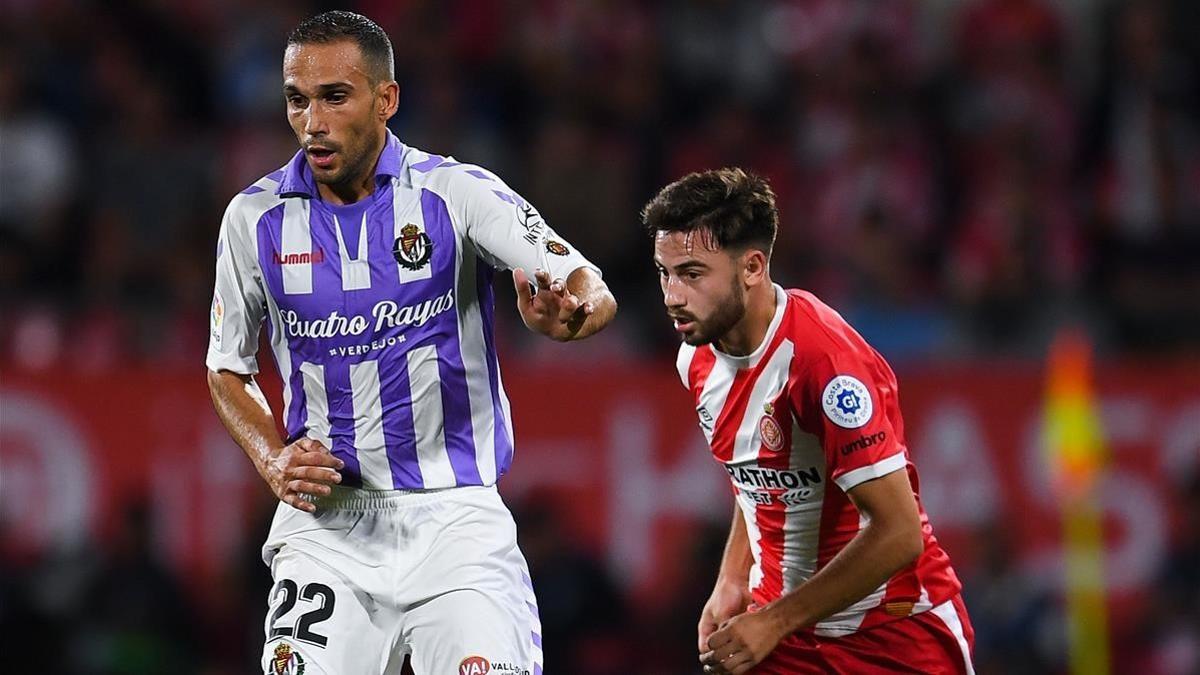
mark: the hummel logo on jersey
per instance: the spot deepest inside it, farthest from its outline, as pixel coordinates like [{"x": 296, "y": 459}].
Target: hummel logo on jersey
[
  {"x": 317, "y": 256},
  {"x": 706, "y": 420}
]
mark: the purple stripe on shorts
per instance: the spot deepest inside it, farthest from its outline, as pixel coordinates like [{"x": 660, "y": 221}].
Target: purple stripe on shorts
[
  {"x": 456, "y": 404},
  {"x": 484, "y": 275}
]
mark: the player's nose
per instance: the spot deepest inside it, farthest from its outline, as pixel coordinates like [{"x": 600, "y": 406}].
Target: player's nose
[
  {"x": 314, "y": 123},
  {"x": 672, "y": 298}
]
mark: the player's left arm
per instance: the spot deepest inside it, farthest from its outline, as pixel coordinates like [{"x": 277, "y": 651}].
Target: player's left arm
[
  {"x": 563, "y": 311},
  {"x": 843, "y": 397},
  {"x": 560, "y": 293},
  {"x": 890, "y": 540}
]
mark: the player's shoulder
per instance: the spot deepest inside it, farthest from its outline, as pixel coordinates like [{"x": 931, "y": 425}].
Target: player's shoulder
[
  {"x": 454, "y": 180},
  {"x": 257, "y": 198},
  {"x": 819, "y": 332}
]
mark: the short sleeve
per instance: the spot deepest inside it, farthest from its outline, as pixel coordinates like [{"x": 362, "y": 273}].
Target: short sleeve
[
  {"x": 239, "y": 303},
  {"x": 506, "y": 230},
  {"x": 844, "y": 401}
]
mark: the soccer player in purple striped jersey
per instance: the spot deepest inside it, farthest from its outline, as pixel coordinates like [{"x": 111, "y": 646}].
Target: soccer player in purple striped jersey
[{"x": 371, "y": 264}]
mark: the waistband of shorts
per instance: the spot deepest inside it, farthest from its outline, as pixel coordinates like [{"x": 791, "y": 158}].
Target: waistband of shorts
[{"x": 357, "y": 499}]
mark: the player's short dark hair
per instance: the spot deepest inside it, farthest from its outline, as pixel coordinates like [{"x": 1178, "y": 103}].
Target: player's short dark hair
[
  {"x": 731, "y": 208},
  {"x": 338, "y": 25}
]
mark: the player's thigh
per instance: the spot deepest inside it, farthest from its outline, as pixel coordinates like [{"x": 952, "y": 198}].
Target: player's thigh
[
  {"x": 470, "y": 632},
  {"x": 319, "y": 620}
]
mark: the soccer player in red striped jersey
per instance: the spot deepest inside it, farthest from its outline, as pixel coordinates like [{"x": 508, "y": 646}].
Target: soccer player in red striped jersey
[{"x": 831, "y": 564}]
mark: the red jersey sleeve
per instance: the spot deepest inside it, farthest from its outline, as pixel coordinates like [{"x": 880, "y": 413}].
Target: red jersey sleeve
[{"x": 844, "y": 400}]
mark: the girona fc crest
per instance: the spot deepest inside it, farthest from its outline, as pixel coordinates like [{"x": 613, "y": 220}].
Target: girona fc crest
[
  {"x": 412, "y": 248},
  {"x": 286, "y": 662},
  {"x": 772, "y": 435}
]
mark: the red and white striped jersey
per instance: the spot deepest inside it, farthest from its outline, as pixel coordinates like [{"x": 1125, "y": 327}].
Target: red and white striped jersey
[{"x": 814, "y": 404}]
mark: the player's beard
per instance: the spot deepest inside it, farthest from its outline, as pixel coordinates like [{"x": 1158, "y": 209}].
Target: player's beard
[
  {"x": 357, "y": 159},
  {"x": 728, "y": 313}
]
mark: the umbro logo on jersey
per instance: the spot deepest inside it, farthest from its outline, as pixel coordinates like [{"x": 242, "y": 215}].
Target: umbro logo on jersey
[
  {"x": 864, "y": 442},
  {"x": 706, "y": 420},
  {"x": 317, "y": 256}
]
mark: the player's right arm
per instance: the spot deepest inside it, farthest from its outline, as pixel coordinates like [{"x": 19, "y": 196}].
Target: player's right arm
[
  {"x": 293, "y": 470},
  {"x": 731, "y": 594}
]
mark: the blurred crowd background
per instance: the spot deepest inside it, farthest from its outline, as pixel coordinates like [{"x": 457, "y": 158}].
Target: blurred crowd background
[{"x": 959, "y": 178}]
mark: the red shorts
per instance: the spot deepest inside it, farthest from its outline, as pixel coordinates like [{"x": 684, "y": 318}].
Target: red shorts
[{"x": 936, "y": 641}]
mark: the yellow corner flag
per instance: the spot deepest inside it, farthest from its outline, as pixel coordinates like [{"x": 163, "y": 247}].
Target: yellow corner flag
[{"x": 1077, "y": 457}]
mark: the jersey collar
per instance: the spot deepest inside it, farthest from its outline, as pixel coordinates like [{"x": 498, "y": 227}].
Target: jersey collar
[
  {"x": 297, "y": 176},
  {"x": 751, "y": 360}
]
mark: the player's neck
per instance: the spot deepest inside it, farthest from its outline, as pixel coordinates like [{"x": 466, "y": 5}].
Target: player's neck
[
  {"x": 749, "y": 333},
  {"x": 356, "y": 188}
]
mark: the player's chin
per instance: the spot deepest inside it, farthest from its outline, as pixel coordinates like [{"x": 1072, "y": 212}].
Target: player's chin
[
  {"x": 695, "y": 338},
  {"x": 331, "y": 175}
]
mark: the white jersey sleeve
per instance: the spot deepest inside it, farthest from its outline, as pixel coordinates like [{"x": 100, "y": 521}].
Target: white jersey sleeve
[
  {"x": 239, "y": 301},
  {"x": 506, "y": 230}
]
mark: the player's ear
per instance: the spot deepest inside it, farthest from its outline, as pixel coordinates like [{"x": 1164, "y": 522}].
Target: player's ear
[
  {"x": 389, "y": 99},
  {"x": 754, "y": 267}
]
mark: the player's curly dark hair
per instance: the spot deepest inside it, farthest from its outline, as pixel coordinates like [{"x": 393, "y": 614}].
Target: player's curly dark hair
[
  {"x": 730, "y": 208},
  {"x": 340, "y": 25}
]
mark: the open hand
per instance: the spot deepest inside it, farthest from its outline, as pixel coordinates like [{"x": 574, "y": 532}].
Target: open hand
[
  {"x": 302, "y": 469},
  {"x": 551, "y": 310}
]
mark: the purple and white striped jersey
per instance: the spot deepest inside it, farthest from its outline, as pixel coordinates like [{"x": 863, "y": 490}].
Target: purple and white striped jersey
[{"x": 380, "y": 313}]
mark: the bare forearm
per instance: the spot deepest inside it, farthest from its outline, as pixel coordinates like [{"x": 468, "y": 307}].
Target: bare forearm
[
  {"x": 585, "y": 284},
  {"x": 737, "y": 559},
  {"x": 245, "y": 413},
  {"x": 870, "y": 559}
]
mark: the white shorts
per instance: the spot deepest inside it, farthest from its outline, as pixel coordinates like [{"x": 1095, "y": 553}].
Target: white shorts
[{"x": 375, "y": 576}]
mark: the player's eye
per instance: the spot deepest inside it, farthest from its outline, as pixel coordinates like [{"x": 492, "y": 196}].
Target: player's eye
[
  {"x": 296, "y": 101},
  {"x": 336, "y": 97}
]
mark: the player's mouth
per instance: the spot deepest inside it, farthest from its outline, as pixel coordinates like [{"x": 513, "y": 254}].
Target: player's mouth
[
  {"x": 322, "y": 158},
  {"x": 684, "y": 324}
]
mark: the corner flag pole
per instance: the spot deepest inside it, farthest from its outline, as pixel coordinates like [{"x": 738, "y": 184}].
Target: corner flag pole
[{"x": 1075, "y": 446}]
